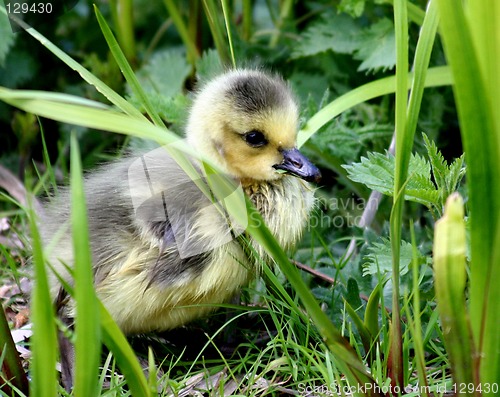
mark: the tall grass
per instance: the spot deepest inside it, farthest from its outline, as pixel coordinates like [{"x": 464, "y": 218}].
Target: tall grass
[{"x": 471, "y": 37}]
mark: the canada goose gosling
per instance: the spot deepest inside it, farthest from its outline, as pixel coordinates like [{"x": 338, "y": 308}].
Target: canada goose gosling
[{"x": 152, "y": 268}]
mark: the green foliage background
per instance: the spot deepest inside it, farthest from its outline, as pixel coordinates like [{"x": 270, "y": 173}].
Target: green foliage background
[{"x": 340, "y": 58}]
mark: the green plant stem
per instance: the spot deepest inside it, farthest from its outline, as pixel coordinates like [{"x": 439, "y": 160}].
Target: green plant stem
[
  {"x": 44, "y": 340},
  {"x": 436, "y": 76},
  {"x": 247, "y": 20},
  {"x": 173, "y": 10},
  {"x": 286, "y": 9},
  {"x": 214, "y": 22},
  {"x": 395, "y": 362},
  {"x": 87, "y": 328},
  {"x": 228, "y": 31},
  {"x": 122, "y": 13}
]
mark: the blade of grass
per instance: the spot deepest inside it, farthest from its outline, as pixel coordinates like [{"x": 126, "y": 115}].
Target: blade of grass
[
  {"x": 122, "y": 14},
  {"x": 347, "y": 358},
  {"x": 480, "y": 128},
  {"x": 436, "y": 76},
  {"x": 414, "y": 320},
  {"x": 483, "y": 19},
  {"x": 126, "y": 69},
  {"x": 43, "y": 340},
  {"x": 192, "y": 50},
  {"x": 215, "y": 24},
  {"x": 247, "y": 20},
  {"x": 88, "y": 338},
  {"x": 111, "y": 95},
  {"x": 124, "y": 355},
  {"x": 406, "y": 123},
  {"x": 228, "y": 31}
]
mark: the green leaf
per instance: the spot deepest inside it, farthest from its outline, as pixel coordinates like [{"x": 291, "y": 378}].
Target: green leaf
[
  {"x": 127, "y": 361},
  {"x": 337, "y": 33},
  {"x": 126, "y": 68},
  {"x": 352, "y": 7},
  {"x": 44, "y": 339},
  {"x": 164, "y": 74},
  {"x": 377, "y": 172},
  {"x": 371, "y": 312},
  {"x": 379, "y": 258},
  {"x": 455, "y": 174},
  {"x": 87, "y": 328},
  {"x": 173, "y": 110},
  {"x": 377, "y": 47},
  {"x": 352, "y": 294},
  {"x": 360, "y": 326},
  {"x": 209, "y": 65},
  {"x": 447, "y": 177},
  {"x": 436, "y": 76},
  {"x": 439, "y": 166}
]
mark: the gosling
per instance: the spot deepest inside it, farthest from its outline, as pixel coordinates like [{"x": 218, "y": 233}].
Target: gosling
[{"x": 162, "y": 255}]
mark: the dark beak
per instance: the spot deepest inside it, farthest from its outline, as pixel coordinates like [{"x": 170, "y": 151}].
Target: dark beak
[{"x": 297, "y": 164}]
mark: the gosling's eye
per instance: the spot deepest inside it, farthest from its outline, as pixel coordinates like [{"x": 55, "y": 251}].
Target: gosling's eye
[{"x": 255, "y": 138}]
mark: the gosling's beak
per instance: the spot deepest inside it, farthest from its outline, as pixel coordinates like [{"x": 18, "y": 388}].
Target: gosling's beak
[{"x": 297, "y": 164}]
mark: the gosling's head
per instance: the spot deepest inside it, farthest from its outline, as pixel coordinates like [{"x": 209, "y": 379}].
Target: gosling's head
[{"x": 245, "y": 121}]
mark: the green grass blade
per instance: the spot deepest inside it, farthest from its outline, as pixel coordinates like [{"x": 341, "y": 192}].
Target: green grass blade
[
  {"x": 414, "y": 318},
  {"x": 192, "y": 50},
  {"x": 347, "y": 358},
  {"x": 126, "y": 69},
  {"x": 472, "y": 68},
  {"x": 436, "y": 76},
  {"x": 124, "y": 355},
  {"x": 110, "y": 94},
  {"x": 371, "y": 313},
  {"x": 215, "y": 24},
  {"x": 44, "y": 340},
  {"x": 86, "y": 116},
  {"x": 88, "y": 339},
  {"x": 364, "y": 333},
  {"x": 228, "y": 31},
  {"x": 122, "y": 14}
]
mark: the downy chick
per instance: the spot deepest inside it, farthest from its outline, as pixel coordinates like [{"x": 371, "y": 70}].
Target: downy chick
[{"x": 162, "y": 254}]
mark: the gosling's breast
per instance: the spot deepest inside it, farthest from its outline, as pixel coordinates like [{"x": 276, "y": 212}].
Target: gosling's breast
[{"x": 285, "y": 206}]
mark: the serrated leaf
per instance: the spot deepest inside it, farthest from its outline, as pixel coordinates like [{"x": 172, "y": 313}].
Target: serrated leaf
[
  {"x": 377, "y": 172},
  {"x": 439, "y": 167},
  {"x": 455, "y": 174},
  {"x": 379, "y": 258},
  {"x": 209, "y": 65},
  {"x": 173, "y": 110},
  {"x": 447, "y": 177},
  {"x": 164, "y": 73},
  {"x": 337, "y": 33},
  {"x": 377, "y": 47}
]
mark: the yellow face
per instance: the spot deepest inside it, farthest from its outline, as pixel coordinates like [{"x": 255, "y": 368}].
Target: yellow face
[
  {"x": 252, "y": 144},
  {"x": 246, "y": 122}
]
